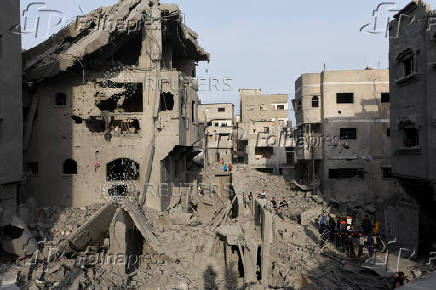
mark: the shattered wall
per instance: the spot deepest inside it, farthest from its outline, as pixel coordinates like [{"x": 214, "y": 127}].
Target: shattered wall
[
  {"x": 219, "y": 122},
  {"x": 413, "y": 104},
  {"x": 349, "y": 122},
  {"x": 412, "y": 59},
  {"x": 120, "y": 114},
  {"x": 256, "y": 106},
  {"x": 264, "y": 132},
  {"x": 11, "y": 120}
]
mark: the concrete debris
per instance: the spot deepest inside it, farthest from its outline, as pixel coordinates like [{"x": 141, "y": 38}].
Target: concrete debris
[
  {"x": 242, "y": 245},
  {"x": 16, "y": 237},
  {"x": 308, "y": 216}
]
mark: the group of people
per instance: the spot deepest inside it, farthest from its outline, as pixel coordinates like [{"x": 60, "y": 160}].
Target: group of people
[
  {"x": 262, "y": 195},
  {"x": 342, "y": 232},
  {"x": 226, "y": 167}
]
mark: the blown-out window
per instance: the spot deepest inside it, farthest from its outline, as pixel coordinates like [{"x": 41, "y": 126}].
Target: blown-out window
[
  {"x": 315, "y": 102},
  {"x": 61, "y": 99},
  {"x": 70, "y": 167}
]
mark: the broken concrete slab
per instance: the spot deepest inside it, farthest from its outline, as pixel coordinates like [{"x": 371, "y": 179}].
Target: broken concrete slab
[
  {"x": 90, "y": 232},
  {"x": 17, "y": 239}
]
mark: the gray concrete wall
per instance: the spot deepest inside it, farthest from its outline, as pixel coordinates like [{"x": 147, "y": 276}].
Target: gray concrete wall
[
  {"x": 413, "y": 100},
  {"x": 11, "y": 116},
  {"x": 261, "y": 107},
  {"x": 211, "y": 113},
  {"x": 370, "y": 151}
]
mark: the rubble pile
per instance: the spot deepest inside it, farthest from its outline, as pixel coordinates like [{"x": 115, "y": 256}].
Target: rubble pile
[
  {"x": 247, "y": 180},
  {"x": 181, "y": 249}
]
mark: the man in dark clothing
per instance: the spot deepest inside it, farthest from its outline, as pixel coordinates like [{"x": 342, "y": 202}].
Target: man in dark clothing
[
  {"x": 366, "y": 226},
  {"x": 274, "y": 203},
  {"x": 332, "y": 228}
]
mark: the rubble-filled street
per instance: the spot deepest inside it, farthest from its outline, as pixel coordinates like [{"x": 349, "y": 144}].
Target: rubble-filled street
[
  {"x": 217, "y": 144},
  {"x": 192, "y": 252}
]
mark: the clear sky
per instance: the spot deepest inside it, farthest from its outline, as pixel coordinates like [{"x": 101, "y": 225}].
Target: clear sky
[{"x": 262, "y": 44}]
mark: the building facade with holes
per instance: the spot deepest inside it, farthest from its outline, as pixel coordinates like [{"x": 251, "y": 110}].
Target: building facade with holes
[
  {"x": 343, "y": 125},
  {"x": 11, "y": 117},
  {"x": 264, "y": 133},
  {"x": 219, "y": 123},
  {"x": 412, "y": 62},
  {"x": 112, "y": 113}
]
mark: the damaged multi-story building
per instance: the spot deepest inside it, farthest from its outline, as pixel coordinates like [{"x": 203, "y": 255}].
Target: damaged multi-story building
[
  {"x": 11, "y": 117},
  {"x": 412, "y": 62},
  {"x": 219, "y": 122},
  {"x": 264, "y": 133},
  {"x": 344, "y": 143},
  {"x": 113, "y": 106}
]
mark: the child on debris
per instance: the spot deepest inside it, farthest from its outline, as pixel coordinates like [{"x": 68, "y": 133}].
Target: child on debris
[
  {"x": 263, "y": 194},
  {"x": 274, "y": 203},
  {"x": 284, "y": 203}
]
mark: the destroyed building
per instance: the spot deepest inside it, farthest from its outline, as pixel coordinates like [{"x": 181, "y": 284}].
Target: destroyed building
[
  {"x": 343, "y": 121},
  {"x": 219, "y": 120},
  {"x": 113, "y": 108},
  {"x": 11, "y": 117},
  {"x": 412, "y": 62},
  {"x": 264, "y": 133}
]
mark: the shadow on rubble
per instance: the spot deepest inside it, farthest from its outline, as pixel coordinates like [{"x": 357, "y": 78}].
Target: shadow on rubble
[
  {"x": 334, "y": 272},
  {"x": 209, "y": 277}
]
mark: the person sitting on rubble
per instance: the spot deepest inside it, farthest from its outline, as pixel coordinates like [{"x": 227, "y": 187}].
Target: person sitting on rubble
[
  {"x": 284, "y": 203},
  {"x": 366, "y": 226},
  {"x": 262, "y": 194},
  {"x": 274, "y": 203}
]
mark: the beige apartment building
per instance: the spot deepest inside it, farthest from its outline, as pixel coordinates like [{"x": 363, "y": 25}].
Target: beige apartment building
[
  {"x": 264, "y": 133},
  {"x": 219, "y": 122},
  {"x": 412, "y": 62},
  {"x": 344, "y": 138},
  {"x": 115, "y": 113},
  {"x": 11, "y": 116}
]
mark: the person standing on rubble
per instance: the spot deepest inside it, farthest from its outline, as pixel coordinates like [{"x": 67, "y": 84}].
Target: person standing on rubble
[
  {"x": 366, "y": 226},
  {"x": 349, "y": 222},
  {"x": 332, "y": 228},
  {"x": 244, "y": 199},
  {"x": 370, "y": 245},
  {"x": 225, "y": 168}
]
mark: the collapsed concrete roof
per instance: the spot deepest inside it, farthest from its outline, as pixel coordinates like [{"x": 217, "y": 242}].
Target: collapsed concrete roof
[{"x": 96, "y": 30}]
